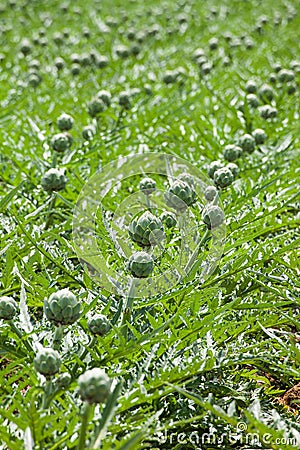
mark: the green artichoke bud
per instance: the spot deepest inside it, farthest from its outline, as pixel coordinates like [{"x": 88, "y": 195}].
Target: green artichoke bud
[
  {"x": 96, "y": 106},
  {"x": 94, "y": 386},
  {"x": 65, "y": 122},
  {"x": 214, "y": 165},
  {"x": 253, "y": 100},
  {"x": 105, "y": 96},
  {"x": 259, "y": 136},
  {"x": 251, "y": 86},
  {"x": 60, "y": 142},
  {"x": 169, "y": 77},
  {"x": 232, "y": 152},
  {"x": 147, "y": 230},
  {"x": 187, "y": 178},
  {"x": 266, "y": 92},
  {"x": 285, "y": 75},
  {"x": 247, "y": 143},
  {"x": 101, "y": 61},
  {"x": 268, "y": 112},
  {"x": 25, "y": 46},
  {"x": 147, "y": 185},
  {"x": 8, "y": 308},
  {"x": 234, "y": 169},
  {"x": 169, "y": 219},
  {"x": 99, "y": 325},
  {"x": 88, "y": 132},
  {"x": 140, "y": 264},
  {"x": 180, "y": 195},
  {"x": 124, "y": 99},
  {"x": 210, "y": 193},
  {"x": 54, "y": 180},
  {"x": 47, "y": 362},
  {"x": 62, "y": 308},
  {"x": 213, "y": 216},
  {"x": 223, "y": 177},
  {"x": 64, "y": 380}
]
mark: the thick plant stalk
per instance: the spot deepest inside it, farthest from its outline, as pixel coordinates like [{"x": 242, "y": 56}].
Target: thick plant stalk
[
  {"x": 84, "y": 425},
  {"x": 128, "y": 309}
]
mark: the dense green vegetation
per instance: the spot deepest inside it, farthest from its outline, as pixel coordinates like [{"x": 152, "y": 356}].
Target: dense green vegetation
[{"x": 210, "y": 361}]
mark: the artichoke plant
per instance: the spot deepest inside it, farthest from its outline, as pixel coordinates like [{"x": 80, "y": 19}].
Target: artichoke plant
[
  {"x": 259, "y": 136},
  {"x": 187, "y": 178},
  {"x": 247, "y": 143},
  {"x": 105, "y": 96},
  {"x": 94, "y": 386},
  {"x": 60, "y": 142},
  {"x": 213, "y": 166},
  {"x": 8, "y": 308},
  {"x": 47, "y": 362},
  {"x": 234, "y": 168},
  {"x": 232, "y": 152},
  {"x": 180, "y": 195},
  {"x": 140, "y": 264},
  {"x": 96, "y": 106},
  {"x": 213, "y": 216},
  {"x": 147, "y": 230},
  {"x": 65, "y": 122},
  {"x": 223, "y": 177},
  {"x": 62, "y": 307},
  {"x": 169, "y": 219},
  {"x": 147, "y": 185},
  {"x": 54, "y": 180},
  {"x": 99, "y": 325},
  {"x": 210, "y": 193}
]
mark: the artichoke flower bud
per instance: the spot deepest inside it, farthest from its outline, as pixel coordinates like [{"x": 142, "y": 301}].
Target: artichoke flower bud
[
  {"x": 147, "y": 230},
  {"x": 60, "y": 142},
  {"x": 124, "y": 99},
  {"x": 147, "y": 185},
  {"x": 54, "y": 180},
  {"x": 234, "y": 169},
  {"x": 65, "y": 122},
  {"x": 214, "y": 165},
  {"x": 62, "y": 308},
  {"x": 96, "y": 106},
  {"x": 105, "y": 96},
  {"x": 8, "y": 308},
  {"x": 232, "y": 152},
  {"x": 259, "y": 136},
  {"x": 94, "y": 386},
  {"x": 180, "y": 195},
  {"x": 210, "y": 193},
  {"x": 140, "y": 264},
  {"x": 99, "y": 325},
  {"x": 169, "y": 219},
  {"x": 247, "y": 143},
  {"x": 187, "y": 178},
  {"x": 213, "y": 216},
  {"x": 47, "y": 362},
  {"x": 223, "y": 177},
  {"x": 88, "y": 132}
]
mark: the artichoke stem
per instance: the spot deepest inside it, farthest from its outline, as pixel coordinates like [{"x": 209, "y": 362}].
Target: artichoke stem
[
  {"x": 48, "y": 389},
  {"x": 57, "y": 338},
  {"x": 128, "y": 309},
  {"x": 49, "y": 214},
  {"x": 84, "y": 425},
  {"x": 20, "y": 335},
  {"x": 54, "y": 160}
]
